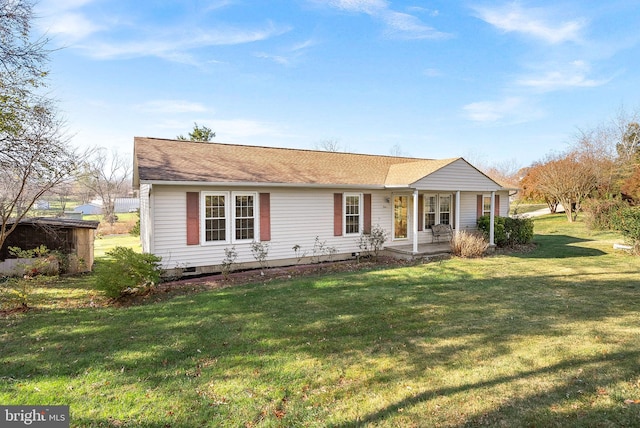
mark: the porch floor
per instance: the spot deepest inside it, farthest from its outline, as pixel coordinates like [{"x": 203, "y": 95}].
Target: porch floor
[{"x": 424, "y": 250}]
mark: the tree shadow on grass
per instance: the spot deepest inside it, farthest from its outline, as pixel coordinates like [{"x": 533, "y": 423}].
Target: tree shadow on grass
[
  {"x": 626, "y": 416},
  {"x": 419, "y": 318},
  {"x": 560, "y": 247}
]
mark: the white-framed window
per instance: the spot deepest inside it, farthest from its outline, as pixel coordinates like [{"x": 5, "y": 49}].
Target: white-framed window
[
  {"x": 245, "y": 216},
  {"x": 486, "y": 205},
  {"x": 437, "y": 209},
  {"x": 352, "y": 213},
  {"x": 431, "y": 206},
  {"x": 445, "y": 209},
  {"x": 229, "y": 217},
  {"x": 215, "y": 217}
]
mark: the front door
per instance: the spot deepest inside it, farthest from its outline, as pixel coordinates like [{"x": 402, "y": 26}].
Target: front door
[{"x": 400, "y": 217}]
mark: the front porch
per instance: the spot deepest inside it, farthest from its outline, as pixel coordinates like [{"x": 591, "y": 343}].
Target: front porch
[{"x": 436, "y": 249}]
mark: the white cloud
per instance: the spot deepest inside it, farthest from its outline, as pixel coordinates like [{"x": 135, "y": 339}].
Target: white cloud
[
  {"x": 571, "y": 75},
  {"x": 171, "y": 106},
  {"x": 534, "y": 22},
  {"x": 361, "y": 6},
  {"x": 398, "y": 24},
  {"x": 288, "y": 56},
  {"x": 61, "y": 5},
  {"x": 408, "y": 26},
  {"x": 507, "y": 110},
  {"x": 174, "y": 45},
  {"x": 283, "y": 60},
  {"x": 72, "y": 26}
]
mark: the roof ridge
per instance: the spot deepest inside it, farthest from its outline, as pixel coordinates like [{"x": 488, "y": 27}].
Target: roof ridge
[{"x": 402, "y": 158}]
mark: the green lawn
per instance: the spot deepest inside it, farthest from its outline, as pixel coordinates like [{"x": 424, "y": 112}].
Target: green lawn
[
  {"x": 545, "y": 338},
  {"x": 526, "y": 208},
  {"x": 102, "y": 244}
]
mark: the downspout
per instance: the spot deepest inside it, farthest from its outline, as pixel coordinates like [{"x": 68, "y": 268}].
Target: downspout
[
  {"x": 415, "y": 221},
  {"x": 492, "y": 218}
]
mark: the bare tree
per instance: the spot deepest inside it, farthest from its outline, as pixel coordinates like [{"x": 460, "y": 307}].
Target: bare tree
[
  {"x": 330, "y": 146},
  {"x": 35, "y": 156},
  {"x": 107, "y": 175},
  {"x": 32, "y": 162},
  {"x": 396, "y": 150}
]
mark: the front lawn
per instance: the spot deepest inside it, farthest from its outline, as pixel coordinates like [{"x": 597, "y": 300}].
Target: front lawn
[{"x": 549, "y": 337}]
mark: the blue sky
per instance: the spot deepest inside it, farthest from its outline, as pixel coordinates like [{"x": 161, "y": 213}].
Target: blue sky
[{"x": 491, "y": 81}]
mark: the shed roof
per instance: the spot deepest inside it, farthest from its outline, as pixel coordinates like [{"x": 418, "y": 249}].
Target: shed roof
[
  {"x": 59, "y": 222},
  {"x": 162, "y": 160}
]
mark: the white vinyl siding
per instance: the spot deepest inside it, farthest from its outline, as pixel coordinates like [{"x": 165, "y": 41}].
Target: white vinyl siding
[
  {"x": 288, "y": 227},
  {"x": 298, "y": 216},
  {"x": 146, "y": 225},
  {"x": 457, "y": 175}
]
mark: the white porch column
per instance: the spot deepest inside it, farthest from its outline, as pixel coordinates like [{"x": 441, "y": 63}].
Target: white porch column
[
  {"x": 415, "y": 221},
  {"x": 457, "y": 220},
  {"x": 492, "y": 218}
]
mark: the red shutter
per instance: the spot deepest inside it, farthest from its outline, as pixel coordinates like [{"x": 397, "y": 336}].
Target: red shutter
[
  {"x": 420, "y": 212},
  {"x": 265, "y": 217},
  {"x": 367, "y": 213},
  {"x": 337, "y": 214},
  {"x": 479, "y": 210},
  {"x": 193, "y": 218},
  {"x": 496, "y": 208}
]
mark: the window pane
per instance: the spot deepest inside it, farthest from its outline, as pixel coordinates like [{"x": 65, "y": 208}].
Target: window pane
[
  {"x": 430, "y": 211},
  {"x": 431, "y": 204},
  {"x": 445, "y": 204},
  {"x": 215, "y": 230},
  {"x": 430, "y": 219},
  {"x": 244, "y": 228}
]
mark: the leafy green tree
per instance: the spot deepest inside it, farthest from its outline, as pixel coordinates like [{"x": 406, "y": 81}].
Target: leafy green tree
[{"x": 199, "y": 133}]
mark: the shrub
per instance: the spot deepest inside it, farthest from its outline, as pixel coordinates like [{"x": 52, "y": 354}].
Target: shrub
[
  {"x": 135, "y": 229},
  {"x": 600, "y": 214},
  {"x": 127, "y": 272},
  {"x": 508, "y": 231},
  {"x": 230, "y": 256},
  {"x": 16, "y": 292},
  {"x": 372, "y": 243},
  {"x": 321, "y": 249},
  {"x": 42, "y": 261},
  {"x": 260, "y": 252},
  {"x": 467, "y": 244},
  {"x": 627, "y": 221}
]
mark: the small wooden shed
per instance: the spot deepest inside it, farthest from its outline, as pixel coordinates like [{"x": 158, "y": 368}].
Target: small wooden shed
[{"x": 69, "y": 236}]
